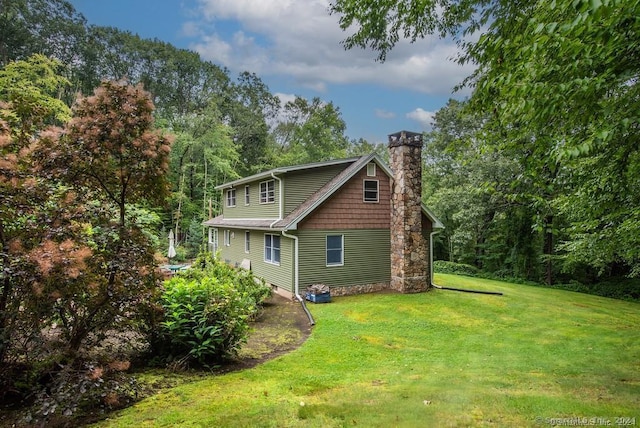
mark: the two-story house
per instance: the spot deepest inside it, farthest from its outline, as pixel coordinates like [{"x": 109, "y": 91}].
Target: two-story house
[{"x": 331, "y": 222}]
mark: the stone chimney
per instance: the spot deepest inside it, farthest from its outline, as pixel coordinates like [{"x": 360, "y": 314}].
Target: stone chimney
[{"x": 409, "y": 261}]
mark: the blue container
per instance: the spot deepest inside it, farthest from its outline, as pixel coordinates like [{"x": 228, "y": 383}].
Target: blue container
[{"x": 319, "y": 298}]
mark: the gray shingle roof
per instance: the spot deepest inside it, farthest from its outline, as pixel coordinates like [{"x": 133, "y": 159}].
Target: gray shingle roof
[{"x": 290, "y": 222}]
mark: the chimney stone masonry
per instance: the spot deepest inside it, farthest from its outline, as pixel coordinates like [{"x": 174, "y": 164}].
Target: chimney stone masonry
[{"x": 409, "y": 261}]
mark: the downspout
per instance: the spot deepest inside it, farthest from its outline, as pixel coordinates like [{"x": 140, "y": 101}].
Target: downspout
[
  {"x": 295, "y": 252},
  {"x": 493, "y": 293},
  {"x": 280, "y": 201},
  {"x": 431, "y": 260},
  {"x": 296, "y": 276}
]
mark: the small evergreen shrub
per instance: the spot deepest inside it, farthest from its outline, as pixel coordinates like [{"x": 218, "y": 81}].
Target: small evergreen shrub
[{"x": 207, "y": 310}]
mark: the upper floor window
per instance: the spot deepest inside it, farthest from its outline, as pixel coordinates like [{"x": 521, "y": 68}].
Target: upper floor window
[
  {"x": 247, "y": 198},
  {"x": 371, "y": 169},
  {"x": 231, "y": 197},
  {"x": 370, "y": 191},
  {"x": 267, "y": 191}
]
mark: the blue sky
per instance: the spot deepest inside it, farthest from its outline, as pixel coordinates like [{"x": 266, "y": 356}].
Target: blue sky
[{"x": 294, "y": 46}]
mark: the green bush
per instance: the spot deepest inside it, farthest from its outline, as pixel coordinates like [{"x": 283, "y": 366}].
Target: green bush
[
  {"x": 615, "y": 288},
  {"x": 207, "y": 310},
  {"x": 442, "y": 266}
]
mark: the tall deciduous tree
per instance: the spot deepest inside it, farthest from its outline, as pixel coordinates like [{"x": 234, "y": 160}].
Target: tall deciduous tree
[
  {"x": 311, "y": 131},
  {"x": 49, "y": 27}
]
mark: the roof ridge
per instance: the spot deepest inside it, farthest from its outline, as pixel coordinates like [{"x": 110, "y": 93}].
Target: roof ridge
[{"x": 285, "y": 169}]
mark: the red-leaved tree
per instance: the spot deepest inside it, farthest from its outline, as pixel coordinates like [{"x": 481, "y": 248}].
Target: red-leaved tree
[{"x": 112, "y": 157}]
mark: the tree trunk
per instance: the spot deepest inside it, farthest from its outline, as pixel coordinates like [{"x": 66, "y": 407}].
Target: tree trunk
[
  {"x": 4, "y": 298},
  {"x": 548, "y": 249}
]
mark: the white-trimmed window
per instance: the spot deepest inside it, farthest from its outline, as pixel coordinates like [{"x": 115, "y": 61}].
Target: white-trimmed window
[
  {"x": 231, "y": 197},
  {"x": 268, "y": 192},
  {"x": 370, "y": 190},
  {"x": 371, "y": 169},
  {"x": 227, "y": 238},
  {"x": 335, "y": 250},
  {"x": 272, "y": 249},
  {"x": 213, "y": 240},
  {"x": 247, "y": 241},
  {"x": 247, "y": 198}
]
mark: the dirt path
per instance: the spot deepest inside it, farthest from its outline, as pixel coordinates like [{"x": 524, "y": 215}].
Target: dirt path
[{"x": 282, "y": 327}]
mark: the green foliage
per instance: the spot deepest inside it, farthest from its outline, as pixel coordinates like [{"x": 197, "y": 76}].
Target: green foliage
[
  {"x": 207, "y": 309},
  {"x": 615, "y": 288},
  {"x": 312, "y": 131},
  {"x": 441, "y": 266},
  {"x": 31, "y": 88}
]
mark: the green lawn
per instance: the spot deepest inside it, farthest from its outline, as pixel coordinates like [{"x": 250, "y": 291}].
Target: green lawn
[{"x": 441, "y": 358}]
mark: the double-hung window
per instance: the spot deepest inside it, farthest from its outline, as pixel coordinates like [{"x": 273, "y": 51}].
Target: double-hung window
[
  {"x": 231, "y": 197},
  {"x": 247, "y": 241},
  {"x": 335, "y": 250},
  {"x": 267, "y": 192},
  {"x": 370, "y": 191},
  {"x": 272, "y": 249},
  {"x": 227, "y": 238},
  {"x": 247, "y": 199}
]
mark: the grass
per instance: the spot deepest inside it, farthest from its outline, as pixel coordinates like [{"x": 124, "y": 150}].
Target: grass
[{"x": 435, "y": 359}]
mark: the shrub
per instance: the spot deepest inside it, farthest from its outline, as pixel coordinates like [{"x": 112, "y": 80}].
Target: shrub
[
  {"x": 85, "y": 390},
  {"x": 442, "y": 266},
  {"x": 207, "y": 310},
  {"x": 615, "y": 288}
]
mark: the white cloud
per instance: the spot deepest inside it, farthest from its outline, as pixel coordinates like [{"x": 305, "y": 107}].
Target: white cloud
[
  {"x": 285, "y": 98},
  {"x": 423, "y": 117},
  {"x": 191, "y": 29},
  {"x": 299, "y": 38},
  {"x": 383, "y": 114}
]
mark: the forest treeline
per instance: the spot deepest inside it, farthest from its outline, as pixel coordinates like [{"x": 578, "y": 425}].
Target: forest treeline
[{"x": 514, "y": 200}]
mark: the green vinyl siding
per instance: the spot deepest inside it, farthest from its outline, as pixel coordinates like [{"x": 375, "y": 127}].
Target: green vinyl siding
[
  {"x": 278, "y": 275},
  {"x": 299, "y": 185},
  {"x": 232, "y": 254},
  {"x": 366, "y": 258},
  {"x": 255, "y": 209}
]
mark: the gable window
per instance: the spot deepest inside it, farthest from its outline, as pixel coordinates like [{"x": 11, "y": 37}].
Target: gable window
[
  {"x": 246, "y": 195},
  {"x": 247, "y": 241},
  {"x": 371, "y": 169},
  {"x": 370, "y": 191},
  {"x": 267, "y": 192},
  {"x": 272, "y": 249},
  {"x": 231, "y": 197},
  {"x": 335, "y": 250},
  {"x": 227, "y": 238}
]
